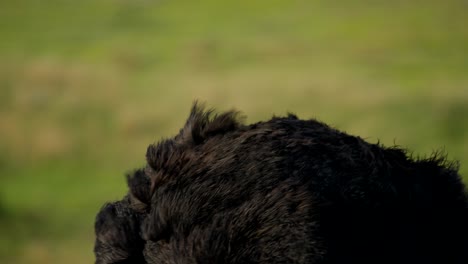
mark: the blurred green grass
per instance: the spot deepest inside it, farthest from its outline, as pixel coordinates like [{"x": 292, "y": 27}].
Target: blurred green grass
[{"x": 86, "y": 85}]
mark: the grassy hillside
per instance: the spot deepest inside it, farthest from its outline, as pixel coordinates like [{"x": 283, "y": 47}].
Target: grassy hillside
[{"x": 86, "y": 85}]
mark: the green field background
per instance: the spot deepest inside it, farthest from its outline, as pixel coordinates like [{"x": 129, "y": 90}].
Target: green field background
[{"x": 86, "y": 85}]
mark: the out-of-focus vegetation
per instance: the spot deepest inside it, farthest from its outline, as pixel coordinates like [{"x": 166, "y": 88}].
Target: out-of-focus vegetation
[{"x": 86, "y": 85}]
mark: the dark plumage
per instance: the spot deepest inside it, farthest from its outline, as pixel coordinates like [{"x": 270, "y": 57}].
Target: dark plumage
[{"x": 283, "y": 191}]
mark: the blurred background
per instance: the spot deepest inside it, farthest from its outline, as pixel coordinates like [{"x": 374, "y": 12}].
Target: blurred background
[{"x": 86, "y": 85}]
